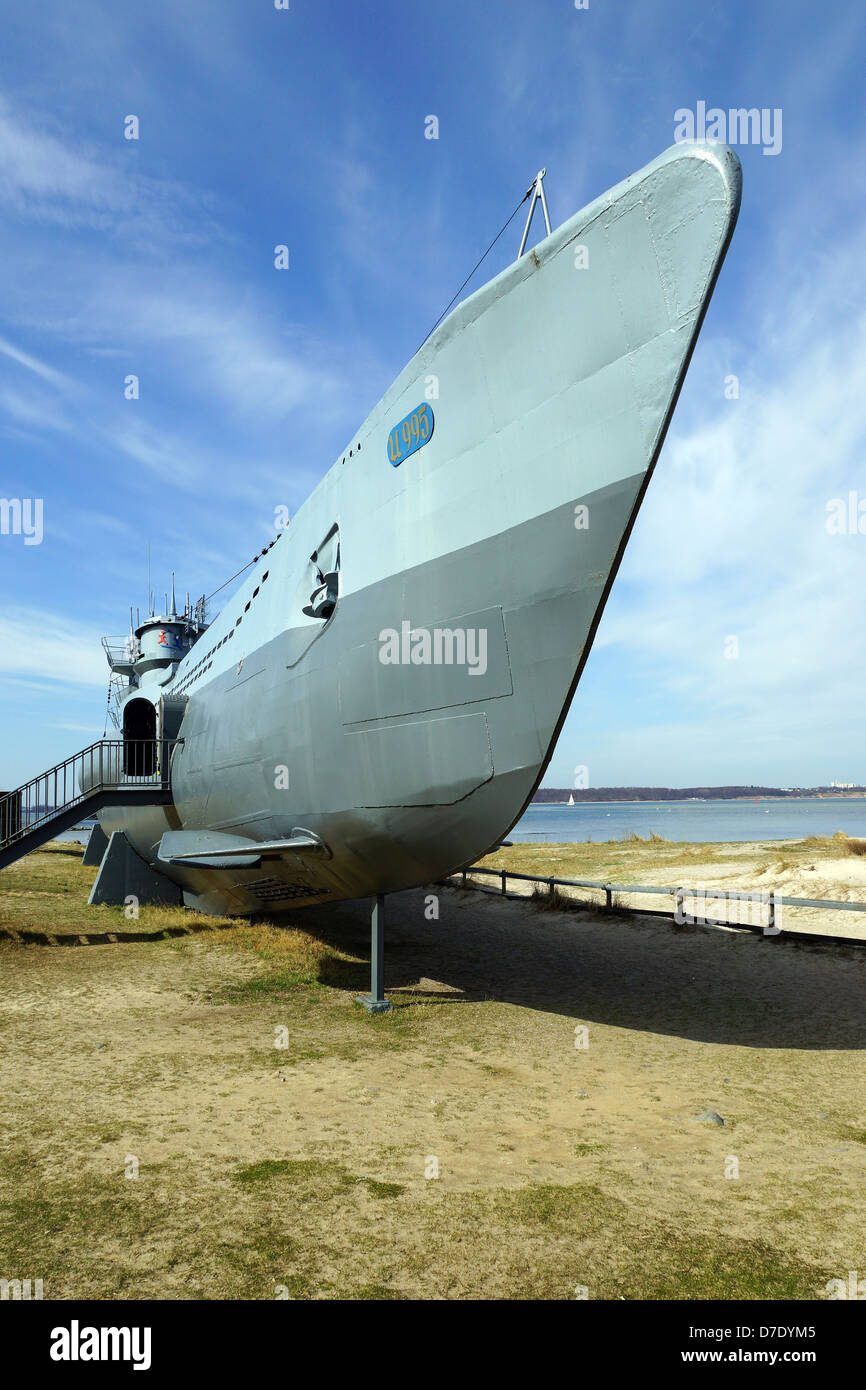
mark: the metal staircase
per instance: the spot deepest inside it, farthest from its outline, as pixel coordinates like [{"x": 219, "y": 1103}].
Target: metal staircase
[{"x": 111, "y": 772}]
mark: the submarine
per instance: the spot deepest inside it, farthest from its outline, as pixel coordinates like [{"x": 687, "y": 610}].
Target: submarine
[{"x": 376, "y": 704}]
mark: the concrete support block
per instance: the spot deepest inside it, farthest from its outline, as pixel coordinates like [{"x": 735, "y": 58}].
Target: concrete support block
[
  {"x": 124, "y": 874},
  {"x": 96, "y": 846}
]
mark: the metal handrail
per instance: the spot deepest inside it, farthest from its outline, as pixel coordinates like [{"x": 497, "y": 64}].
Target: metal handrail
[
  {"x": 770, "y": 898},
  {"x": 106, "y": 765}
]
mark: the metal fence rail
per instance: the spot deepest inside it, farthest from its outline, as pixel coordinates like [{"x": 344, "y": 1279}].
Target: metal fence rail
[{"x": 770, "y": 899}]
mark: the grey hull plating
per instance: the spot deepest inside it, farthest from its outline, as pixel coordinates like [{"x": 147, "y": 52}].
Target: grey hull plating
[{"x": 552, "y": 389}]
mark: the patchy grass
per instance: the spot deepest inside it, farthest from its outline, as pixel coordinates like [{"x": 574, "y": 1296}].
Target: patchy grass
[
  {"x": 291, "y": 1168},
  {"x": 45, "y": 895},
  {"x": 327, "y": 1178},
  {"x": 302, "y": 1225},
  {"x": 310, "y": 1167},
  {"x": 293, "y": 960}
]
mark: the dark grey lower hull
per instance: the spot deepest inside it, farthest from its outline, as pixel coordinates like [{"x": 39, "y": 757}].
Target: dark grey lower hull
[{"x": 419, "y": 792}]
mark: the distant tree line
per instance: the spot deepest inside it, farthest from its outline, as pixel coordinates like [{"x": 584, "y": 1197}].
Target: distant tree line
[{"x": 558, "y": 794}]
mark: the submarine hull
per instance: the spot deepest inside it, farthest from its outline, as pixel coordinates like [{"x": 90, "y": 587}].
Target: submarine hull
[{"x": 407, "y": 724}]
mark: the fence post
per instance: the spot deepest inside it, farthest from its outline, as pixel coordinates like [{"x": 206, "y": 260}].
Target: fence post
[
  {"x": 771, "y": 914},
  {"x": 608, "y": 897},
  {"x": 503, "y": 882},
  {"x": 550, "y": 886},
  {"x": 678, "y": 910},
  {"x": 463, "y": 871}
]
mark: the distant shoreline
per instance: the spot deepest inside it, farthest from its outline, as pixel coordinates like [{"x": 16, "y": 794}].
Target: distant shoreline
[{"x": 632, "y": 796}]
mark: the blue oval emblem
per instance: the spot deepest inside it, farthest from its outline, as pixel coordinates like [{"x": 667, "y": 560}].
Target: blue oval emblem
[{"x": 410, "y": 434}]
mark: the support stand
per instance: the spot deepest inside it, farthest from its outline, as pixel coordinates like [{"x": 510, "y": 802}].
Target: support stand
[
  {"x": 375, "y": 1002},
  {"x": 97, "y": 844},
  {"x": 123, "y": 875}
]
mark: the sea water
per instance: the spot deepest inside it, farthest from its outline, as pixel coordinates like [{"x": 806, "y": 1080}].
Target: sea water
[{"x": 790, "y": 819}]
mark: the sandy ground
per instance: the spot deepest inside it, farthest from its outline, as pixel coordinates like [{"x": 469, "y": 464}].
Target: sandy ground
[{"x": 140, "y": 1049}]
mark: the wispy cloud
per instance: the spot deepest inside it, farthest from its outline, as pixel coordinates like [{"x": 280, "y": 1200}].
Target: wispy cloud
[
  {"x": 40, "y": 644},
  {"x": 48, "y": 175},
  {"x": 40, "y": 369}
]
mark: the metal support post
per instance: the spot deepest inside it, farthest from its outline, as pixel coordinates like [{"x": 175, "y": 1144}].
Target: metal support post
[{"x": 375, "y": 1002}]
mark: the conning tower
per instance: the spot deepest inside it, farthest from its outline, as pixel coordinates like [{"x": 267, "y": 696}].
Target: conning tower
[{"x": 142, "y": 664}]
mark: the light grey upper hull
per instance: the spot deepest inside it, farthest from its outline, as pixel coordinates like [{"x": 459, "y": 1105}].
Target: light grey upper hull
[{"x": 552, "y": 389}]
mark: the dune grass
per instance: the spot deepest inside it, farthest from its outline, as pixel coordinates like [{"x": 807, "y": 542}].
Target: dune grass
[{"x": 632, "y": 854}]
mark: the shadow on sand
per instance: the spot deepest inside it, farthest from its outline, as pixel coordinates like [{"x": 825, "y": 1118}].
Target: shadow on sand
[{"x": 634, "y": 973}]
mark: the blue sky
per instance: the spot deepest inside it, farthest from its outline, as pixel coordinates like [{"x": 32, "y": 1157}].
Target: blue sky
[{"x": 306, "y": 127}]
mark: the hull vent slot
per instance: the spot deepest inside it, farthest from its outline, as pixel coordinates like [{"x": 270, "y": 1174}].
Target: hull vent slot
[{"x": 271, "y": 890}]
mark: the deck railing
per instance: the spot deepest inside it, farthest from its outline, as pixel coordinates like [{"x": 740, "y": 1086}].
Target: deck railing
[{"x": 132, "y": 765}]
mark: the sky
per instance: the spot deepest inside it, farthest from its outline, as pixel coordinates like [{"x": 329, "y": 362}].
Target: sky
[{"x": 732, "y": 649}]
